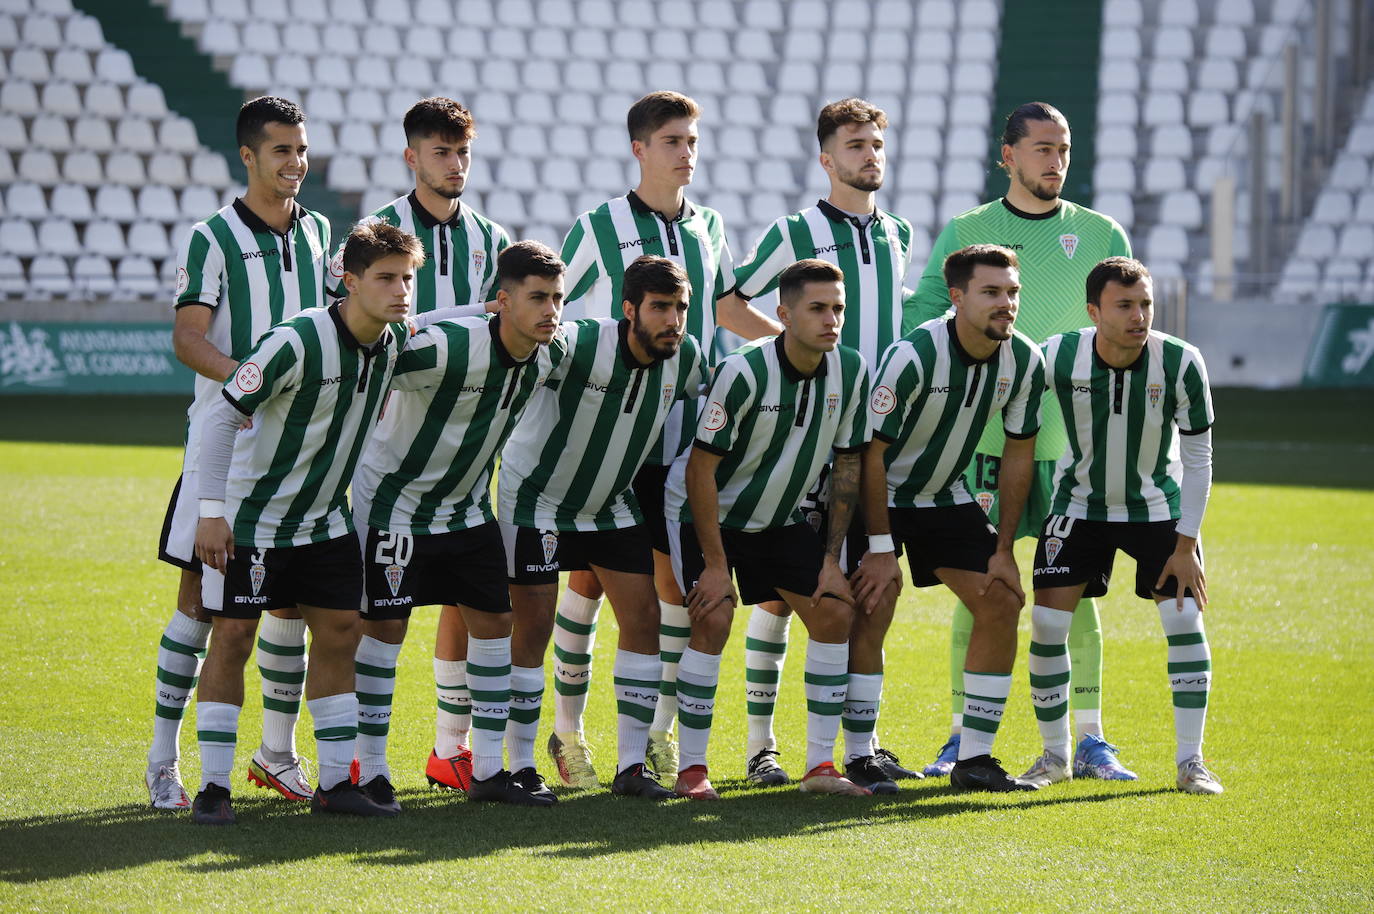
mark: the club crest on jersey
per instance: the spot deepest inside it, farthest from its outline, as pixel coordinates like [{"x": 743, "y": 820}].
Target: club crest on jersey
[
  {"x": 985, "y": 500},
  {"x": 832, "y": 402},
  {"x": 183, "y": 280},
  {"x": 549, "y": 541},
  {"x": 394, "y": 573},
  {"x": 1154, "y": 392},
  {"x": 479, "y": 258},
  {"x": 813, "y": 517},
  {"x": 1069, "y": 243},
  {"x": 668, "y": 390},
  {"x": 336, "y": 267},
  {"x": 1003, "y": 385},
  {"x": 715, "y": 417},
  {"x": 1052, "y": 546},
  {"x": 257, "y": 572},
  {"x": 248, "y": 378},
  {"x": 884, "y": 400}
]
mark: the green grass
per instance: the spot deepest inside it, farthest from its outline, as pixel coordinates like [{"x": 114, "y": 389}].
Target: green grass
[{"x": 1290, "y": 572}]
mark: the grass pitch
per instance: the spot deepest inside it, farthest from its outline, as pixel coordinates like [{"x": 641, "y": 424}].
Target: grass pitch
[{"x": 1290, "y": 572}]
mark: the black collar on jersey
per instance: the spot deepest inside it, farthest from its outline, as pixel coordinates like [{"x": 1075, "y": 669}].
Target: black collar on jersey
[
  {"x": 640, "y": 206},
  {"x": 255, "y": 224},
  {"x": 1022, "y": 214},
  {"x": 835, "y": 214},
  {"x": 627, "y": 355},
  {"x": 351, "y": 341},
  {"x": 791, "y": 372},
  {"x": 426, "y": 218},
  {"x": 964, "y": 355},
  {"x": 502, "y": 353},
  {"x": 1137, "y": 365}
]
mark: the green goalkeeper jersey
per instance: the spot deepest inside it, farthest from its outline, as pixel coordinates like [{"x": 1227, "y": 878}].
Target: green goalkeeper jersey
[{"x": 1057, "y": 250}]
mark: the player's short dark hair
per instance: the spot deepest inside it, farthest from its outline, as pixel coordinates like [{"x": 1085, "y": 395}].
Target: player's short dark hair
[
  {"x": 796, "y": 276},
  {"x": 652, "y": 274},
  {"x": 847, "y": 111},
  {"x": 369, "y": 242},
  {"x": 256, "y": 114},
  {"x": 959, "y": 266},
  {"x": 441, "y": 117},
  {"x": 1123, "y": 270},
  {"x": 525, "y": 259},
  {"x": 1019, "y": 120},
  {"x": 656, "y": 109}
]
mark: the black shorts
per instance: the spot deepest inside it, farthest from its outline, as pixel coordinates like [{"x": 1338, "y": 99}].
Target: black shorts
[
  {"x": 650, "y": 484},
  {"x": 461, "y": 568},
  {"x": 783, "y": 558},
  {"x": 1073, "y": 551},
  {"x": 958, "y": 536},
  {"x": 537, "y": 556},
  {"x": 328, "y": 575}
]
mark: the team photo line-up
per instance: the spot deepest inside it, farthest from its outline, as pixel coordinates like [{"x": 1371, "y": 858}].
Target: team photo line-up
[{"x": 679, "y": 452}]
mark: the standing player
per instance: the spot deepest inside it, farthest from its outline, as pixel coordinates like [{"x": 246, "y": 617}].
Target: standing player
[
  {"x": 1056, "y": 243},
  {"x": 567, "y": 503},
  {"x": 1125, "y": 483},
  {"x": 257, "y": 261},
  {"x": 421, "y": 501},
  {"x": 274, "y": 514},
  {"x": 655, "y": 218},
  {"x": 873, "y": 250},
  {"x": 932, "y": 397},
  {"x": 461, "y": 251},
  {"x": 776, "y": 410}
]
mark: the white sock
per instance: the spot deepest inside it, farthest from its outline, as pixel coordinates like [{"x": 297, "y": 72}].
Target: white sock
[
  {"x": 765, "y": 649},
  {"x": 574, "y": 635},
  {"x": 217, "y": 728},
  {"x": 827, "y": 681},
  {"x": 179, "y": 656},
  {"x": 1086, "y": 721},
  {"x": 1190, "y": 673},
  {"x": 336, "y": 731},
  {"x": 526, "y": 696},
  {"x": 697, "y": 677},
  {"x": 453, "y": 718},
  {"x": 860, "y": 717},
  {"x": 374, "y": 669},
  {"x": 636, "y": 698},
  {"x": 674, "y": 629},
  {"x": 1049, "y": 677},
  {"x": 985, "y": 702},
  {"x": 281, "y": 661},
  {"x": 489, "y": 679}
]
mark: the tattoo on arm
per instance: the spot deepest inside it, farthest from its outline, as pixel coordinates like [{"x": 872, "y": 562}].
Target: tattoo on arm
[{"x": 844, "y": 494}]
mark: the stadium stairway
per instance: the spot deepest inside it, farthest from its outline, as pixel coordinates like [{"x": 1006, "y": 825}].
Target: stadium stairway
[{"x": 194, "y": 88}]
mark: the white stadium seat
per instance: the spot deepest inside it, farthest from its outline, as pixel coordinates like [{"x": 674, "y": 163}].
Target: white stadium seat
[
  {"x": 93, "y": 133},
  {"x": 62, "y": 98},
  {"x": 1181, "y": 208},
  {"x": 1117, "y": 204},
  {"x": 49, "y": 131},
  {"x": 49, "y": 275},
  {"x": 58, "y": 236},
  {"x": 1163, "y": 175},
  {"x": 1167, "y": 242},
  {"x": 104, "y": 99},
  {"x": 71, "y": 201},
  {"x": 1171, "y": 140},
  {"x": 18, "y": 96},
  {"x": 210, "y": 169},
  {"x": 1114, "y": 174},
  {"x": 1179, "y": 12},
  {"x": 82, "y": 167},
  {"x": 1357, "y": 242},
  {"x": 1207, "y": 108},
  {"x": 1173, "y": 41},
  {"x": 1162, "y": 108},
  {"x": 104, "y": 237},
  {"x": 25, "y": 198},
  {"x": 1118, "y": 76},
  {"x": 74, "y": 65},
  {"x": 115, "y": 202},
  {"x": 1168, "y": 75},
  {"x": 39, "y": 166},
  {"x": 116, "y": 66}
]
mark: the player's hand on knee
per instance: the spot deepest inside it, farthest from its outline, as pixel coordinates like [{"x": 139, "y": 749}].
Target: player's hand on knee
[
  {"x": 713, "y": 590},
  {"x": 878, "y": 578},
  {"x": 1002, "y": 569},
  {"x": 832, "y": 583},
  {"x": 1187, "y": 570},
  {"x": 214, "y": 542}
]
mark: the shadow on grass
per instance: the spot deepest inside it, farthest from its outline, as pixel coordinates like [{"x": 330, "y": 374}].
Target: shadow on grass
[{"x": 437, "y": 827}]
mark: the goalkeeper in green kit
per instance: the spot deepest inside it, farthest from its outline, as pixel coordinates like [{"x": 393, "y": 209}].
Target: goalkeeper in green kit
[{"x": 1057, "y": 243}]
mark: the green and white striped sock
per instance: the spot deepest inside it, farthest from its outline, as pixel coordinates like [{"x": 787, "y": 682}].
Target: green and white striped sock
[
  {"x": 985, "y": 702},
  {"x": 860, "y": 717},
  {"x": 1050, "y": 675},
  {"x": 282, "y": 663},
  {"x": 827, "y": 681},
  {"x": 374, "y": 669},
  {"x": 179, "y": 656},
  {"x": 765, "y": 649},
  {"x": 674, "y": 629},
  {"x": 574, "y": 636},
  {"x": 636, "y": 697},
  {"x": 1190, "y": 673},
  {"x": 698, "y": 675},
  {"x": 454, "y": 716},
  {"x": 217, "y": 728},
  {"x": 489, "y": 678},
  {"x": 522, "y": 727},
  {"x": 336, "y": 734}
]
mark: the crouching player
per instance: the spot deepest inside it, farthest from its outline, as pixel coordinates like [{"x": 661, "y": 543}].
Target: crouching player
[
  {"x": 932, "y": 397},
  {"x": 275, "y": 529},
  {"x": 1127, "y": 482},
  {"x": 776, "y": 409}
]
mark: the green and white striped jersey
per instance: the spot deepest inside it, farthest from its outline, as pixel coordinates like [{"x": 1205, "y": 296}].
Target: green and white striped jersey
[
  {"x": 874, "y": 260},
  {"x": 314, "y": 393},
  {"x": 253, "y": 277},
  {"x": 457, "y": 396},
  {"x": 774, "y": 429},
  {"x": 587, "y": 432},
  {"x": 931, "y": 400},
  {"x": 1122, "y": 463},
  {"x": 606, "y": 240},
  {"x": 1056, "y": 250},
  {"x": 460, "y": 254}
]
